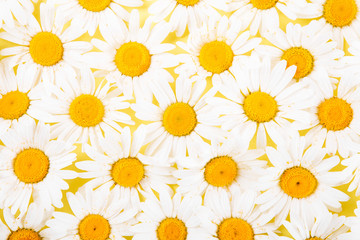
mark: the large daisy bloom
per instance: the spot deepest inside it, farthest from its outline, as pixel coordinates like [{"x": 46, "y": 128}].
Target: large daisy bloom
[
  {"x": 181, "y": 120},
  {"x": 300, "y": 182},
  {"x": 122, "y": 168},
  {"x": 31, "y": 167},
  {"x": 20, "y": 9},
  {"x": 96, "y": 215},
  {"x": 134, "y": 57},
  {"x": 354, "y": 224}
]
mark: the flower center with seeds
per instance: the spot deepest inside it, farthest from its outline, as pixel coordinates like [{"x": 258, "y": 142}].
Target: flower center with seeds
[
  {"x": 13, "y": 105},
  {"x": 260, "y": 107},
  {"x": 301, "y": 58},
  {"x": 171, "y": 229},
  {"x": 298, "y": 182},
  {"x": 94, "y": 227},
  {"x": 46, "y": 49},
  {"x": 221, "y": 171},
  {"x": 340, "y": 13},
  {"x": 335, "y": 114},
  {"x": 132, "y": 59},
  {"x": 314, "y": 238},
  {"x": 86, "y": 110},
  {"x": 31, "y": 165},
  {"x": 235, "y": 228},
  {"x": 128, "y": 172},
  {"x": 263, "y": 4},
  {"x": 94, "y": 5},
  {"x": 24, "y": 234},
  {"x": 179, "y": 119},
  {"x": 188, "y": 3},
  {"x": 216, "y": 57}
]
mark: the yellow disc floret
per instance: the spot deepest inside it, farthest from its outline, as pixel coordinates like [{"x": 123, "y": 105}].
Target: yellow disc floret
[
  {"x": 235, "y": 229},
  {"x": 264, "y": 4},
  {"x": 298, "y": 182},
  {"x": 340, "y": 13},
  {"x": 171, "y": 229},
  {"x": 24, "y": 234},
  {"x": 86, "y": 110},
  {"x": 179, "y": 119},
  {"x": 46, "y": 49},
  {"x": 94, "y": 227},
  {"x": 216, "y": 56},
  {"x": 335, "y": 114},
  {"x": 132, "y": 59},
  {"x": 301, "y": 58},
  {"x": 128, "y": 172},
  {"x": 221, "y": 171},
  {"x": 94, "y": 5},
  {"x": 260, "y": 107},
  {"x": 13, "y": 105},
  {"x": 187, "y": 3},
  {"x": 314, "y": 238}
]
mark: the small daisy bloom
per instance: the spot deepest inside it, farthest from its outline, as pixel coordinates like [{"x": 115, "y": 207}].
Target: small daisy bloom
[
  {"x": 354, "y": 224},
  {"x": 20, "y": 9},
  {"x": 300, "y": 181},
  {"x": 48, "y": 50},
  {"x": 31, "y": 167},
  {"x": 181, "y": 120},
  {"x": 99, "y": 215},
  {"x": 122, "y": 168},
  {"x": 134, "y": 57}
]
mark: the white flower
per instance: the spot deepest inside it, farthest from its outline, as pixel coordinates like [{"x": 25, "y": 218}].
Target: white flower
[
  {"x": 20, "y": 9},
  {"x": 354, "y": 224},
  {"x": 353, "y": 169}
]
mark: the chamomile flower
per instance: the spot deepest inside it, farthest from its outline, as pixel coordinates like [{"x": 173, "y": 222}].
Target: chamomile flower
[
  {"x": 20, "y": 9},
  {"x": 134, "y": 57},
  {"x": 300, "y": 182},
  {"x": 354, "y": 224},
  {"x": 180, "y": 120},
  {"x": 46, "y": 48},
  {"x": 31, "y": 167},
  {"x": 122, "y": 168},
  {"x": 96, "y": 215}
]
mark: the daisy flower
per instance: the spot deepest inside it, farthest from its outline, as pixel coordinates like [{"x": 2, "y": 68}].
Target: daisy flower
[
  {"x": 351, "y": 62},
  {"x": 354, "y": 224},
  {"x": 353, "y": 168},
  {"x": 300, "y": 182},
  {"x": 122, "y": 168},
  {"x": 96, "y": 215},
  {"x": 46, "y": 48},
  {"x": 180, "y": 120},
  {"x": 20, "y": 9},
  {"x": 31, "y": 167},
  {"x": 134, "y": 57}
]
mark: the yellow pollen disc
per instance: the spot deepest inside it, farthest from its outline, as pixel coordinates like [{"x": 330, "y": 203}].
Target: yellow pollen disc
[
  {"x": 13, "y": 105},
  {"x": 132, "y": 59},
  {"x": 171, "y": 229},
  {"x": 94, "y": 5},
  {"x": 187, "y": 3},
  {"x": 314, "y": 238},
  {"x": 94, "y": 227},
  {"x": 24, "y": 234},
  {"x": 335, "y": 114},
  {"x": 86, "y": 110},
  {"x": 221, "y": 171},
  {"x": 179, "y": 119},
  {"x": 235, "y": 229},
  {"x": 31, "y": 165},
  {"x": 340, "y": 13},
  {"x": 301, "y": 58},
  {"x": 263, "y": 4},
  {"x": 46, "y": 49},
  {"x": 260, "y": 107},
  {"x": 216, "y": 56},
  {"x": 128, "y": 172},
  {"x": 298, "y": 182}
]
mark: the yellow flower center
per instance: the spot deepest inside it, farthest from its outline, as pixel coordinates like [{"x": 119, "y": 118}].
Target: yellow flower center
[
  {"x": 216, "y": 57},
  {"x": 24, "y": 234},
  {"x": 86, "y": 110},
  {"x": 13, "y": 105},
  {"x": 314, "y": 238},
  {"x": 171, "y": 229},
  {"x": 235, "y": 228},
  {"x": 301, "y": 58},
  {"x": 340, "y": 13},
  {"x": 335, "y": 114},
  {"x": 31, "y": 165},
  {"x": 132, "y": 59},
  {"x": 298, "y": 182},
  {"x": 179, "y": 119},
  {"x": 260, "y": 107},
  {"x": 94, "y": 227},
  {"x": 46, "y": 49},
  {"x": 187, "y": 3},
  {"x": 94, "y": 5},
  {"x": 264, "y": 4},
  {"x": 221, "y": 171},
  {"x": 128, "y": 172}
]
